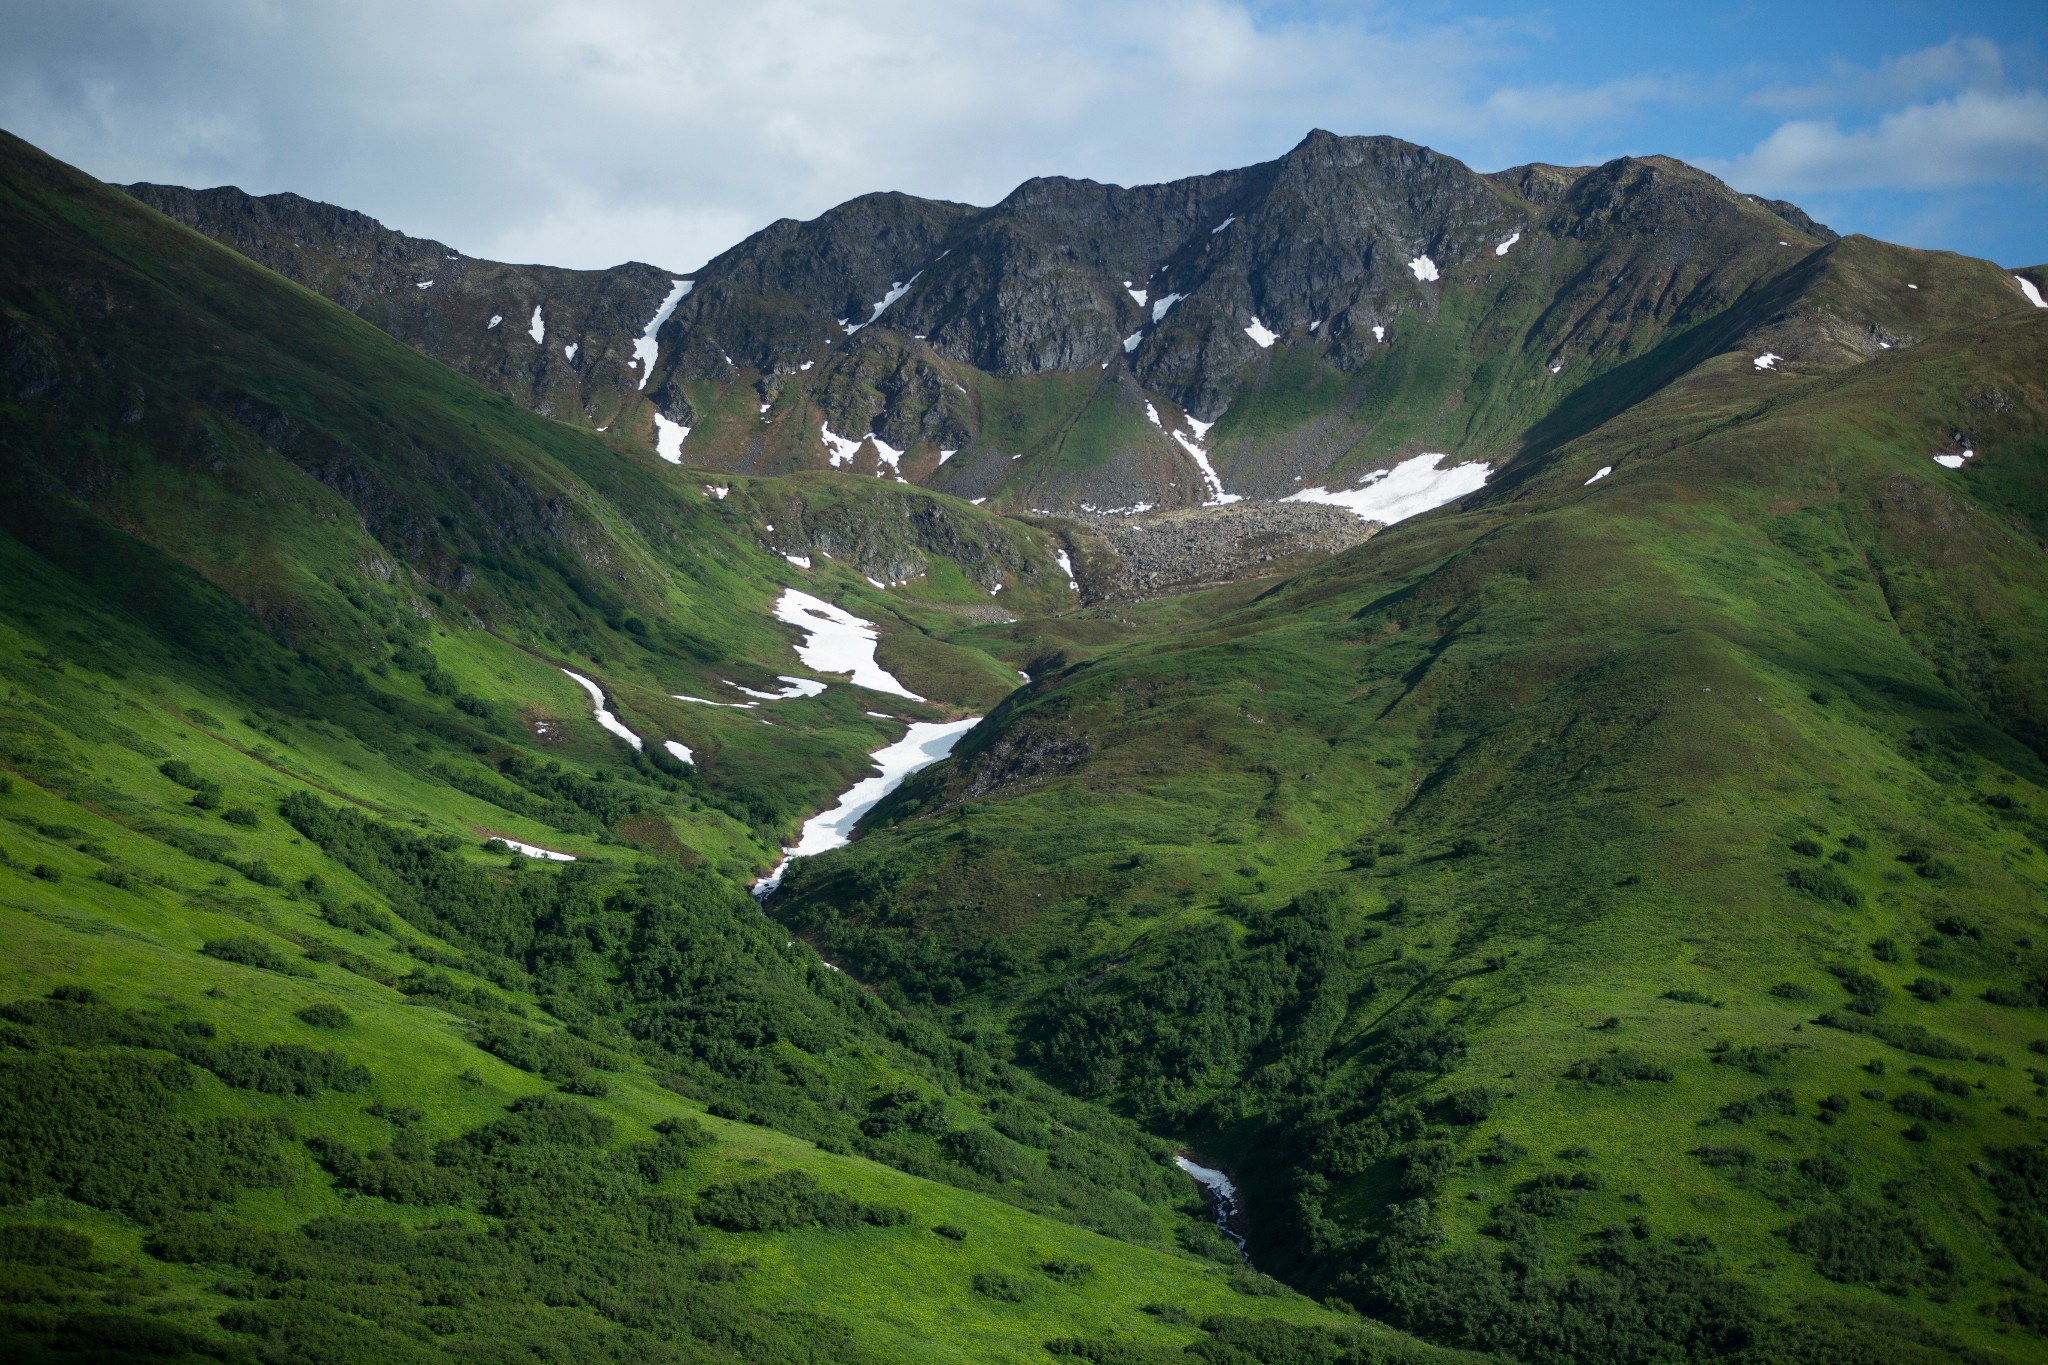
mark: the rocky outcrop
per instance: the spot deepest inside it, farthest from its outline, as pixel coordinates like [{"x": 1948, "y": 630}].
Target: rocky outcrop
[{"x": 1145, "y": 556}]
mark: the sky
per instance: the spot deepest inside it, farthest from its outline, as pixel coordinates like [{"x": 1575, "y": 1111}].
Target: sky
[{"x": 591, "y": 133}]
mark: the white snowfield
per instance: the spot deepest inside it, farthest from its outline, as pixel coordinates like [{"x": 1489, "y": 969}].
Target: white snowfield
[
  {"x": 2028, "y": 288},
  {"x": 605, "y": 717},
  {"x": 1513, "y": 237},
  {"x": 1767, "y": 361},
  {"x": 797, "y": 687},
  {"x": 717, "y": 490},
  {"x": 1379, "y": 333},
  {"x": 1263, "y": 335},
  {"x": 668, "y": 438},
  {"x": 1066, "y": 564},
  {"x": 424, "y": 284},
  {"x": 837, "y": 642},
  {"x": 1131, "y": 341},
  {"x": 1424, "y": 268},
  {"x": 801, "y": 561},
  {"x": 537, "y": 329},
  {"x": 897, "y": 289},
  {"x": 645, "y": 350},
  {"x": 1222, "y": 225},
  {"x": 569, "y": 351},
  {"x": 1137, "y": 295},
  {"x": 945, "y": 455},
  {"x": 533, "y": 850},
  {"x": 1159, "y": 309},
  {"x": 1600, "y": 473},
  {"x": 1409, "y": 489},
  {"x": 679, "y": 750},
  {"x": 1217, "y": 496},
  {"x": 925, "y": 744},
  {"x": 1954, "y": 461},
  {"x": 496, "y": 318}
]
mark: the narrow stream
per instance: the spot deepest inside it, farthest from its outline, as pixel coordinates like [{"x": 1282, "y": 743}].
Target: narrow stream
[{"x": 1224, "y": 1193}]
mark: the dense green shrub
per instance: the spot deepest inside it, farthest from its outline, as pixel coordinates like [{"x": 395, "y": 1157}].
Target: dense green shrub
[
  {"x": 788, "y": 1199},
  {"x": 249, "y": 951}
]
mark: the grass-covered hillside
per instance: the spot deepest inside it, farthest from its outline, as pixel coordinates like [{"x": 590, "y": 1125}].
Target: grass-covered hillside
[
  {"x": 1599, "y": 924},
  {"x": 299, "y": 1061}
]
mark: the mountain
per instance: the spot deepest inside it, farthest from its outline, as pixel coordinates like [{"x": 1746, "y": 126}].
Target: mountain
[
  {"x": 375, "y": 989},
  {"x": 1577, "y": 871},
  {"x": 1304, "y": 323}
]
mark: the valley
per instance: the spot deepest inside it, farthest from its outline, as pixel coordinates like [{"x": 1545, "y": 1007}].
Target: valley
[{"x": 819, "y": 808}]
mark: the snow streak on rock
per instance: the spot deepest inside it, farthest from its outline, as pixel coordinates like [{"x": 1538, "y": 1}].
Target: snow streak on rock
[
  {"x": 1160, "y": 308},
  {"x": 604, "y": 716},
  {"x": 1600, "y": 474},
  {"x": 1424, "y": 268},
  {"x": 537, "y": 329},
  {"x": 1263, "y": 335},
  {"x": 1514, "y": 237},
  {"x": 645, "y": 349},
  {"x": 897, "y": 289}
]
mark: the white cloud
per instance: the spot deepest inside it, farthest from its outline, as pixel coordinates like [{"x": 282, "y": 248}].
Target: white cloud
[
  {"x": 1972, "y": 138},
  {"x": 591, "y": 133},
  {"x": 1959, "y": 63}
]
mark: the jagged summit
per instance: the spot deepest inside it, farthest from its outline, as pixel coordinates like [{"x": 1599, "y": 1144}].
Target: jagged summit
[{"x": 1297, "y": 324}]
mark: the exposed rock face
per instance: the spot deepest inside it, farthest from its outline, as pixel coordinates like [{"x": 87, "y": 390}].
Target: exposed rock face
[
  {"x": 1346, "y": 306},
  {"x": 1133, "y": 557},
  {"x": 441, "y": 303}
]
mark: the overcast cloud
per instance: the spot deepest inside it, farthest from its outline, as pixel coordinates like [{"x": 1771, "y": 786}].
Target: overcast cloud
[{"x": 596, "y": 132}]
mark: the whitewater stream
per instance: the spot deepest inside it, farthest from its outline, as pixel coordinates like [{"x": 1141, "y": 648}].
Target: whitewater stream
[{"x": 1224, "y": 1192}]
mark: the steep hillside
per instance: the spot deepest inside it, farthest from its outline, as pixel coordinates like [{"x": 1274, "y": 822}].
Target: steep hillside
[
  {"x": 365, "y": 999},
  {"x": 1599, "y": 925}
]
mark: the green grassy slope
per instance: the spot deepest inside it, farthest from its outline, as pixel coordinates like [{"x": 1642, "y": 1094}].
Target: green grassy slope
[
  {"x": 296, "y": 1064},
  {"x": 1599, "y": 925}
]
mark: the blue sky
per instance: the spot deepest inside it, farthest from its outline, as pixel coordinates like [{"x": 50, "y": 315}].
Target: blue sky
[{"x": 666, "y": 130}]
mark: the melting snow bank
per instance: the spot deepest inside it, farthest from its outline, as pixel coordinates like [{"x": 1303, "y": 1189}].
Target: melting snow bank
[
  {"x": 605, "y": 717},
  {"x": 1767, "y": 361},
  {"x": 679, "y": 751},
  {"x": 669, "y": 435},
  {"x": 1223, "y": 1192},
  {"x": 798, "y": 687},
  {"x": 532, "y": 850},
  {"x": 645, "y": 351},
  {"x": 925, "y": 744},
  {"x": 1602, "y": 472},
  {"x": 1953, "y": 461},
  {"x": 1424, "y": 268},
  {"x": 837, "y": 642},
  {"x": 1409, "y": 489},
  {"x": 2033, "y": 293}
]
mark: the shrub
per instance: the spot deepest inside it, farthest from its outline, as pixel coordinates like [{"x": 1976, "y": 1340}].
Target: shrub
[
  {"x": 1618, "y": 1068},
  {"x": 248, "y": 951},
  {"x": 1886, "y": 950},
  {"x": 326, "y": 1014},
  {"x": 1824, "y": 883},
  {"x": 950, "y": 1232},
  {"x": 1071, "y": 1272},
  {"x": 240, "y": 815},
  {"x": 1001, "y": 1286},
  {"x": 1791, "y": 990},
  {"x": 1806, "y": 848},
  {"x": 785, "y": 1200},
  {"x": 1931, "y": 989},
  {"x": 1691, "y": 997}
]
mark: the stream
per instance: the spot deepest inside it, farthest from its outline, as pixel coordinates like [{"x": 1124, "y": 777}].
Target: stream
[{"x": 1224, "y": 1192}]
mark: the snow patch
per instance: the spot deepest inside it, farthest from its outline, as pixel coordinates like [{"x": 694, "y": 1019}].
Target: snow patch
[
  {"x": 1379, "y": 333},
  {"x": 888, "y": 455},
  {"x": 1513, "y": 237},
  {"x": 1913, "y": 286},
  {"x": 1160, "y": 308},
  {"x": 897, "y": 289},
  {"x": 2028, "y": 288},
  {"x": 1408, "y": 489},
  {"x": 1954, "y": 461},
  {"x": 1066, "y": 564},
  {"x": 604, "y": 715},
  {"x": 1131, "y": 341},
  {"x": 1222, "y": 225},
  {"x": 1152, "y": 415},
  {"x": 925, "y": 744},
  {"x": 1262, "y": 334},
  {"x": 645, "y": 348},
  {"x": 1424, "y": 268},
  {"x": 1217, "y": 497},
  {"x": 1767, "y": 361},
  {"x": 797, "y": 688},
  {"x": 537, "y": 329},
  {"x": 668, "y": 438},
  {"x": 533, "y": 850},
  {"x": 424, "y": 284},
  {"x": 1138, "y": 296},
  {"x": 801, "y": 561},
  {"x": 717, "y": 490},
  {"x": 569, "y": 351},
  {"x": 1600, "y": 474},
  {"x": 945, "y": 455},
  {"x": 679, "y": 750},
  {"x": 843, "y": 450},
  {"x": 806, "y": 365},
  {"x": 977, "y": 501},
  {"x": 496, "y": 318},
  {"x": 837, "y": 642}
]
